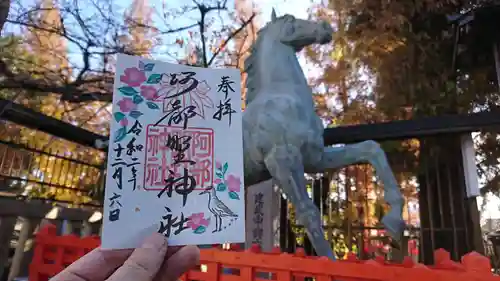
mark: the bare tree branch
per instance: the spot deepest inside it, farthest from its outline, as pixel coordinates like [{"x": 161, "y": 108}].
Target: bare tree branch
[
  {"x": 201, "y": 24},
  {"x": 94, "y": 37},
  {"x": 231, "y": 36}
]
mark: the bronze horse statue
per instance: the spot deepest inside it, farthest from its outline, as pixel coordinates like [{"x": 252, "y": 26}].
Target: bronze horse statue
[{"x": 283, "y": 136}]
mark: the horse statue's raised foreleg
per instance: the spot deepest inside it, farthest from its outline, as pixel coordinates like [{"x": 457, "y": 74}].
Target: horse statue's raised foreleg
[
  {"x": 370, "y": 152},
  {"x": 285, "y": 166}
]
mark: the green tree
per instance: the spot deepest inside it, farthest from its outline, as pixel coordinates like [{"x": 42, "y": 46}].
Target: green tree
[
  {"x": 410, "y": 47},
  {"x": 40, "y": 55},
  {"x": 407, "y": 49},
  {"x": 351, "y": 96}
]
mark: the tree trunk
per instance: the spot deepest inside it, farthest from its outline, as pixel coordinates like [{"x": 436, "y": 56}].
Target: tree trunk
[{"x": 4, "y": 11}]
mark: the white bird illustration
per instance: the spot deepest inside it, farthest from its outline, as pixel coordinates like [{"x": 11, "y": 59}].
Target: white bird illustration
[{"x": 218, "y": 208}]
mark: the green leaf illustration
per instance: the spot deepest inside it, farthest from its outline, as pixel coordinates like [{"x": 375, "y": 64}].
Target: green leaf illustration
[
  {"x": 135, "y": 114},
  {"x": 234, "y": 195},
  {"x": 138, "y": 99},
  {"x": 221, "y": 187},
  {"x": 154, "y": 79},
  {"x": 120, "y": 134},
  {"x": 200, "y": 229},
  {"x": 152, "y": 105},
  {"x": 219, "y": 174},
  {"x": 128, "y": 91},
  {"x": 224, "y": 169},
  {"x": 149, "y": 67},
  {"x": 118, "y": 116}
]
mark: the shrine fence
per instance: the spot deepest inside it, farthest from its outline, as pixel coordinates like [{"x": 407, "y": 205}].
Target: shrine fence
[
  {"x": 53, "y": 253},
  {"x": 43, "y": 179}
]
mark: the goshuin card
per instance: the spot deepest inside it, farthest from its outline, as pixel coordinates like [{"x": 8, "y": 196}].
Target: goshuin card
[{"x": 175, "y": 159}]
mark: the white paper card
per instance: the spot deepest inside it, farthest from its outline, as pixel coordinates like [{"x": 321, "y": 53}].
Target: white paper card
[{"x": 175, "y": 159}]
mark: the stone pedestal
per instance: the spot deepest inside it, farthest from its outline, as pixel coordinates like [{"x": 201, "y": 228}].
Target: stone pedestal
[{"x": 262, "y": 215}]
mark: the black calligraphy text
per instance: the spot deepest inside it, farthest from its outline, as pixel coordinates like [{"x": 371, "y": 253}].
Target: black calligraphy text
[
  {"x": 169, "y": 222},
  {"x": 180, "y": 144},
  {"x": 118, "y": 171},
  {"x": 132, "y": 147},
  {"x": 258, "y": 218},
  {"x": 225, "y": 86},
  {"x": 224, "y": 109},
  {"x": 114, "y": 214},
  {"x": 182, "y": 185},
  {"x": 136, "y": 129},
  {"x": 187, "y": 80},
  {"x": 177, "y": 114}
]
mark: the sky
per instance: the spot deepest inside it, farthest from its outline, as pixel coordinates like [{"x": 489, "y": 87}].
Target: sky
[{"x": 297, "y": 8}]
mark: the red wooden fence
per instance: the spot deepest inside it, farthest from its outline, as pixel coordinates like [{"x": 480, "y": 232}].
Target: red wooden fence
[{"x": 53, "y": 253}]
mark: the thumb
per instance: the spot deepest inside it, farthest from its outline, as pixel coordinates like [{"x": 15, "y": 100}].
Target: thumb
[{"x": 144, "y": 262}]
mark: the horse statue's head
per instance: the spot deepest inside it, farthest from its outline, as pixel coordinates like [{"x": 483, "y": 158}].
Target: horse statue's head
[
  {"x": 298, "y": 33},
  {"x": 273, "y": 56}
]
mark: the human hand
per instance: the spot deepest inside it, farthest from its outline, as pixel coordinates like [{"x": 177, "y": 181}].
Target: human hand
[{"x": 153, "y": 261}]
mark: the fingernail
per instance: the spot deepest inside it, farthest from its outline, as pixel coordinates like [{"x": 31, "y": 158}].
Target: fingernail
[{"x": 155, "y": 241}]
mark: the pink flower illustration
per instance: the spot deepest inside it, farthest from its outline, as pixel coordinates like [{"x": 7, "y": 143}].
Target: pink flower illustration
[
  {"x": 203, "y": 88},
  {"x": 197, "y": 97},
  {"x": 233, "y": 183},
  {"x": 196, "y": 220},
  {"x": 124, "y": 122},
  {"x": 217, "y": 181},
  {"x": 133, "y": 77},
  {"x": 126, "y": 105},
  {"x": 149, "y": 92},
  {"x": 218, "y": 165}
]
